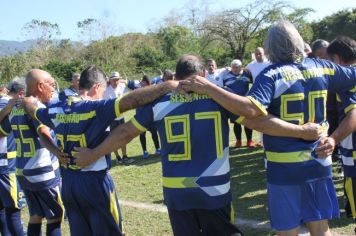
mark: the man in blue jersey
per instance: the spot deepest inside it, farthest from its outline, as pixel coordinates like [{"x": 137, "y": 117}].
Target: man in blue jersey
[
  {"x": 81, "y": 122},
  {"x": 10, "y": 214},
  {"x": 196, "y": 182},
  {"x": 342, "y": 51},
  {"x": 293, "y": 88},
  {"x": 72, "y": 90},
  {"x": 36, "y": 168}
]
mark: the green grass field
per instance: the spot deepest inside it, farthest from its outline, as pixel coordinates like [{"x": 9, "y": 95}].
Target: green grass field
[{"x": 141, "y": 182}]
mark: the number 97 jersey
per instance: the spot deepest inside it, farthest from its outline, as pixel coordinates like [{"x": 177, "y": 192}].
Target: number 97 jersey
[{"x": 194, "y": 135}]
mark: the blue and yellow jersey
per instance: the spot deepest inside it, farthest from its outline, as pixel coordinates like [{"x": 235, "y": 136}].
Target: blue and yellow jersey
[
  {"x": 79, "y": 123},
  {"x": 296, "y": 93},
  {"x": 194, "y": 132},
  {"x": 7, "y": 146},
  {"x": 237, "y": 83},
  {"x": 36, "y": 167},
  {"x": 346, "y": 102}
]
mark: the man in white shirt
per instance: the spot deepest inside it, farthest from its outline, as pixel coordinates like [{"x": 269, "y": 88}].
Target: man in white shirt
[
  {"x": 213, "y": 73},
  {"x": 117, "y": 89},
  {"x": 257, "y": 65}
]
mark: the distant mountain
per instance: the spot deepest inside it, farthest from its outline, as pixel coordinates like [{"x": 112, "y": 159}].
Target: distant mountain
[{"x": 12, "y": 47}]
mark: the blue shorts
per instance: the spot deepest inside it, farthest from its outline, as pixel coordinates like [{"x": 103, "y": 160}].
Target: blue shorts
[
  {"x": 291, "y": 205},
  {"x": 91, "y": 203},
  {"x": 350, "y": 194},
  {"x": 46, "y": 203},
  {"x": 8, "y": 191},
  {"x": 209, "y": 222}
]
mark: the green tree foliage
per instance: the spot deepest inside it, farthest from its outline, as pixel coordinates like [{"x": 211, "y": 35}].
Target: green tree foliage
[{"x": 340, "y": 23}]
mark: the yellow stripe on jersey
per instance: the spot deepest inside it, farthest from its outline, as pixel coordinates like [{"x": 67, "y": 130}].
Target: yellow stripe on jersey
[
  {"x": 39, "y": 127},
  {"x": 240, "y": 119},
  {"x": 179, "y": 182},
  {"x": 113, "y": 208},
  {"x": 349, "y": 108},
  {"x": 13, "y": 188},
  {"x": 11, "y": 155},
  {"x": 35, "y": 114},
  {"x": 3, "y": 131},
  {"x": 353, "y": 90},
  {"x": 258, "y": 105},
  {"x": 137, "y": 125},
  {"x": 350, "y": 195},
  {"x": 288, "y": 157},
  {"x": 232, "y": 214},
  {"x": 354, "y": 155},
  {"x": 117, "y": 107}
]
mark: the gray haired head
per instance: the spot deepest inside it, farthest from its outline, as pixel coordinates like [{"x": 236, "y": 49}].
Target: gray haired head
[
  {"x": 318, "y": 44},
  {"x": 17, "y": 85},
  {"x": 284, "y": 43}
]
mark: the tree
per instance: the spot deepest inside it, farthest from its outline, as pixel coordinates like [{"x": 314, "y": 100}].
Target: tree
[
  {"x": 41, "y": 31},
  {"x": 341, "y": 23},
  {"x": 237, "y": 27}
]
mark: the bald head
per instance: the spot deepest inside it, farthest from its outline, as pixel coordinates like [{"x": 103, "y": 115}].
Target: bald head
[{"x": 40, "y": 84}]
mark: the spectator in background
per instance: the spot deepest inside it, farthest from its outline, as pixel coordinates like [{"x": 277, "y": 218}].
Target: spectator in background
[
  {"x": 72, "y": 90},
  {"x": 3, "y": 90},
  {"x": 319, "y": 47},
  {"x": 238, "y": 83},
  {"x": 116, "y": 89},
  {"x": 146, "y": 82},
  {"x": 214, "y": 74},
  {"x": 166, "y": 75},
  {"x": 257, "y": 65}
]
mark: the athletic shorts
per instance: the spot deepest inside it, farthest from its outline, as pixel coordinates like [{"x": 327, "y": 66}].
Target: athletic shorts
[
  {"x": 91, "y": 203},
  {"x": 203, "y": 222},
  {"x": 46, "y": 203},
  {"x": 291, "y": 205},
  {"x": 8, "y": 191},
  {"x": 116, "y": 123},
  {"x": 350, "y": 193}
]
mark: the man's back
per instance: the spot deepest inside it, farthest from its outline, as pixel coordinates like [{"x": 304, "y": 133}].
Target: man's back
[
  {"x": 80, "y": 123},
  {"x": 194, "y": 135},
  {"x": 36, "y": 166}
]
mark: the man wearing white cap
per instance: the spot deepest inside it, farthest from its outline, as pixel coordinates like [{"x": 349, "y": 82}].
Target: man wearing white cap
[{"x": 116, "y": 89}]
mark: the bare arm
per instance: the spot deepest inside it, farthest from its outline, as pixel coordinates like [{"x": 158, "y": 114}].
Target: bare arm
[
  {"x": 7, "y": 109},
  {"x": 274, "y": 126},
  {"x": 346, "y": 127},
  {"x": 29, "y": 106},
  {"x": 120, "y": 136},
  {"x": 146, "y": 95},
  {"x": 47, "y": 142},
  {"x": 236, "y": 104}
]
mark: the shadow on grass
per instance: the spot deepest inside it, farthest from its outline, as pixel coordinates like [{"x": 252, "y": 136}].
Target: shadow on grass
[
  {"x": 139, "y": 161},
  {"x": 248, "y": 183}
]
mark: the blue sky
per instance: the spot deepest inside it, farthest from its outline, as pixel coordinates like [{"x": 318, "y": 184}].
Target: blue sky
[{"x": 124, "y": 15}]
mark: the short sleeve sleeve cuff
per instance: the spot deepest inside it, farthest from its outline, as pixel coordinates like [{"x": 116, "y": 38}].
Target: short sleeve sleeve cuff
[
  {"x": 258, "y": 105},
  {"x": 137, "y": 125},
  {"x": 117, "y": 107}
]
